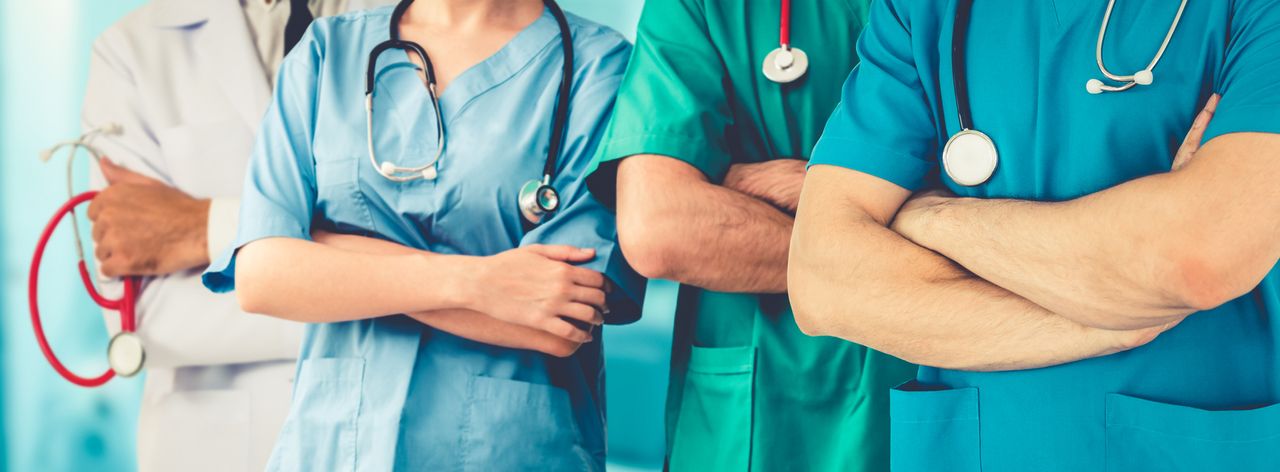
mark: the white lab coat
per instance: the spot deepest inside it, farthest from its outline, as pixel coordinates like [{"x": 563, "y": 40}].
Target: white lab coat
[{"x": 184, "y": 81}]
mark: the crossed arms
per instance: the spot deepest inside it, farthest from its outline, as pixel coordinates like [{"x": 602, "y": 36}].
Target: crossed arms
[{"x": 1006, "y": 284}]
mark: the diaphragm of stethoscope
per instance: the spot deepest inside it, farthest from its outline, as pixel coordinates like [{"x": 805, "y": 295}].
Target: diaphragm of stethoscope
[
  {"x": 970, "y": 157},
  {"x": 125, "y": 354},
  {"x": 786, "y": 64},
  {"x": 537, "y": 199}
]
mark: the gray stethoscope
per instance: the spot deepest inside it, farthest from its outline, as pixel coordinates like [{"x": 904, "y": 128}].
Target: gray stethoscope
[
  {"x": 538, "y": 197},
  {"x": 970, "y": 156},
  {"x": 785, "y": 64}
]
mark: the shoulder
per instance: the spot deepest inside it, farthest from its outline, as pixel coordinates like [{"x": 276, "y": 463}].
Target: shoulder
[
  {"x": 350, "y": 26},
  {"x": 598, "y": 48}
]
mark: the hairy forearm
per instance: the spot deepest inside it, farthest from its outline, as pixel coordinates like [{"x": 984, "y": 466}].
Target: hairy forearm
[
  {"x": 853, "y": 278},
  {"x": 307, "y": 281},
  {"x": 677, "y": 226},
  {"x": 463, "y": 323},
  {"x": 863, "y": 283},
  {"x": 1140, "y": 254}
]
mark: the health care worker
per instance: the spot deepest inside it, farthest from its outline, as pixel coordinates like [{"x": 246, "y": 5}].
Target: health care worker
[
  {"x": 1082, "y": 307},
  {"x": 707, "y": 149},
  {"x": 496, "y": 365},
  {"x": 187, "y": 83}
]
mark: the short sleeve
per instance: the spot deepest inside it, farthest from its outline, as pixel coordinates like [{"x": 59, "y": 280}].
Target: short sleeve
[
  {"x": 1249, "y": 80},
  {"x": 582, "y": 221},
  {"x": 883, "y": 125},
  {"x": 279, "y": 190},
  {"x": 673, "y": 99}
]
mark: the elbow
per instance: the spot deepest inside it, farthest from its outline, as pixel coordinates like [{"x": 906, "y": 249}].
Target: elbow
[
  {"x": 811, "y": 319},
  {"x": 251, "y": 293},
  {"x": 1200, "y": 280},
  {"x": 650, "y": 248}
]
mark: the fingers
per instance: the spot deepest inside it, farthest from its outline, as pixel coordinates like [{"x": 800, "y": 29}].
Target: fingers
[
  {"x": 566, "y": 330},
  {"x": 563, "y": 253},
  {"x": 591, "y": 296},
  {"x": 116, "y": 174},
  {"x": 581, "y": 312},
  {"x": 586, "y": 277}
]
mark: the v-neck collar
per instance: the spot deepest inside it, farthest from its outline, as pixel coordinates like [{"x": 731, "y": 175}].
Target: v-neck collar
[{"x": 486, "y": 74}]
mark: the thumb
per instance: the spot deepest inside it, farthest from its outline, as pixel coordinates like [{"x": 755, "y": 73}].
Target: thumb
[
  {"x": 563, "y": 253},
  {"x": 117, "y": 174}
]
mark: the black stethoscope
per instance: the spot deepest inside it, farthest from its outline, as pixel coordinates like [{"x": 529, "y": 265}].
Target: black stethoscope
[
  {"x": 785, "y": 64},
  {"x": 970, "y": 156},
  {"x": 538, "y": 197}
]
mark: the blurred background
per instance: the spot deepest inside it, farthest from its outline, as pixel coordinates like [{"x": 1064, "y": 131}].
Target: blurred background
[{"x": 51, "y": 425}]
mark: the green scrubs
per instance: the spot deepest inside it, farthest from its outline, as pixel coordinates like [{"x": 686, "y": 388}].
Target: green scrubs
[
  {"x": 1205, "y": 395},
  {"x": 748, "y": 389}
]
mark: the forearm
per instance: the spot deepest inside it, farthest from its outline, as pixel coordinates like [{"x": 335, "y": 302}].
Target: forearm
[
  {"x": 702, "y": 234},
  {"x": 485, "y": 329},
  {"x": 1096, "y": 260},
  {"x": 463, "y": 323},
  {"x": 306, "y": 281},
  {"x": 863, "y": 283}
]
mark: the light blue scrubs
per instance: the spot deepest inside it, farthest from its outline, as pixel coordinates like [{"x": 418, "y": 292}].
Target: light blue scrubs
[
  {"x": 1200, "y": 397},
  {"x": 389, "y": 393}
]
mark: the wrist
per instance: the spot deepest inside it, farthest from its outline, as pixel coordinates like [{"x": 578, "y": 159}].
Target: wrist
[
  {"x": 196, "y": 241},
  {"x": 461, "y": 279}
]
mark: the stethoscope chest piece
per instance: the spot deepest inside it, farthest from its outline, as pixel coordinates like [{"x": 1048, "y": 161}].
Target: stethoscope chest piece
[
  {"x": 125, "y": 354},
  {"x": 970, "y": 158},
  {"x": 538, "y": 199},
  {"x": 786, "y": 64}
]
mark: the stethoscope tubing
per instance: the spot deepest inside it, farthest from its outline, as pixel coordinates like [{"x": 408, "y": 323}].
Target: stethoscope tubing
[{"x": 124, "y": 305}]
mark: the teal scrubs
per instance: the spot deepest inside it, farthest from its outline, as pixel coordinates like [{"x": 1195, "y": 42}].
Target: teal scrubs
[
  {"x": 389, "y": 393},
  {"x": 1200, "y": 397}
]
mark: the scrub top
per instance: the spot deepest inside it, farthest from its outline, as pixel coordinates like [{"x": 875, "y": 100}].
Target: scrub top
[
  {"x": 1203, "y": 395},
  {"x": 749, "y": 390},
  {"x": 389, "y": 393}
]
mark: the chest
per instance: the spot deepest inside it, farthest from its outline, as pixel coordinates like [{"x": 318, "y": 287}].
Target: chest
[
  {"x": 1027, "y": 66},
  {"x": 495, "y": 138}
]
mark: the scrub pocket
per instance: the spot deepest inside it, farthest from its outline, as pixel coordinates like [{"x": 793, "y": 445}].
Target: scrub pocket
[
  {"x": 1144, "y": 435},
  {"x": 338, "y": 194},
  {"x": 514, "y": 425},
  {"x": 713, "y": 431},
  {"x": 320, "y": 433},
  {"x": 932, "y": 429}
]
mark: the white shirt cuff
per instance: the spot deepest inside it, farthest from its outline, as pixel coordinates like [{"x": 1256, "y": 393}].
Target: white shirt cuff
[{"x": 224, "y": 215}]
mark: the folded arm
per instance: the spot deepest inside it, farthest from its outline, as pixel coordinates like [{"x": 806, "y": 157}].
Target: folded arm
[
  {"x": 674, "y": 224},
  {"x": 853, "y": 278},
  {"x": 1144, "y": 253},
  {"x": 459, "y": 322}
]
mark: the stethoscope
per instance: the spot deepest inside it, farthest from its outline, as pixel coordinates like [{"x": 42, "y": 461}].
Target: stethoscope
[
  {"x": 125, "y": 353},
  {"x": 538, "y": 197},
  {"x": 970, "y": 156},
  {"x": 785, "y": 64}
]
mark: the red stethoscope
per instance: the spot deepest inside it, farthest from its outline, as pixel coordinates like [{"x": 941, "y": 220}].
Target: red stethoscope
[
  {"x": 125, "y": 353},
  {"x": 785, "y": 64}
]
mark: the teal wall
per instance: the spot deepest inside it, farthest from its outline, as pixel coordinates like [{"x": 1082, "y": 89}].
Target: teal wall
[{"x": 49, "y": 424}]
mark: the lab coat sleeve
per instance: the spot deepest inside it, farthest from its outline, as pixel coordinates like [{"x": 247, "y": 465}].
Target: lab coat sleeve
[
  {"x": 582, "y": 221},
  {"x": 280, "y": 187},
  {"x": 883, "y": 125},
  {"x": 181, "y": 323},
  {"x": 1249, "y": 78}
]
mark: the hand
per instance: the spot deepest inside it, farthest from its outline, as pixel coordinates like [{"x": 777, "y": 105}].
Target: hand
[
  {"x": 537, "y": 286},
  {"x": 143, "y": 227},
  {"x": 1125, "y": 340},
  {"x": 910, "y": 219},
  {"x": 1191, "y": 143},
  {"x": 776, "y": 182}
]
